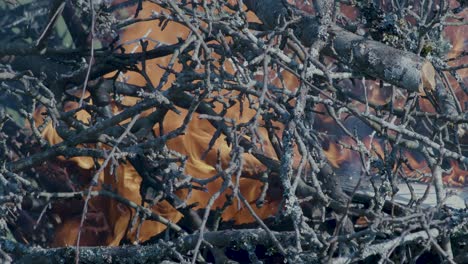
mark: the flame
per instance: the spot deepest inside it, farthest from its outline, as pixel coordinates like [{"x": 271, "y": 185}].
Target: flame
[
  {"x": 340, "y": 153},
  {"x": 337, "y": 154},
  {"x": 126, "y": 181},
  {"x": 115, "y": 218},
  {"x": 53, "y": 138},
  {"x": 374, "y": 146},
  {"x": 456, "y": 176}
]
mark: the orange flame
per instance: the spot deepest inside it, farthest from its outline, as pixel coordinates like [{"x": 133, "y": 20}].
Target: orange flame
[
  {"x": 193, "y": 143},
  {"x": 456, "y": 176},
  {"x": 337, "y": 154}
]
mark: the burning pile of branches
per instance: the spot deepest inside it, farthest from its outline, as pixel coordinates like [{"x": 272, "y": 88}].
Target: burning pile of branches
[{"x": 218, "y": 131}]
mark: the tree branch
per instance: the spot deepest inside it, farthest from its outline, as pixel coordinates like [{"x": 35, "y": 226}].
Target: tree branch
[{"x": 401, "y": 68}]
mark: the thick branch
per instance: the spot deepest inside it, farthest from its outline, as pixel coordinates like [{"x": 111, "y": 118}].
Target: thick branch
[
  {"x": 401, "y": 68},
  {"x": 154, "y": 253},
  {"x": 385, "y": 247}
]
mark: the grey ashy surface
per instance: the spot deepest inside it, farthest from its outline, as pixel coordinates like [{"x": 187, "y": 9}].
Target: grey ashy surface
[{"x": 456, "y": 199}]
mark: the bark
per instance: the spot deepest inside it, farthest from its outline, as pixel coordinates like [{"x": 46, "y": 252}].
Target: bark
[
  {"x": 400, "y": 68},
  {"x": 164, "y": 251},
  {"x": 154, "y": 253}
]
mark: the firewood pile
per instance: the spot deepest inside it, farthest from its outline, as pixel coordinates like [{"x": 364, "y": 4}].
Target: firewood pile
[{"x": 263, "y": 131}]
